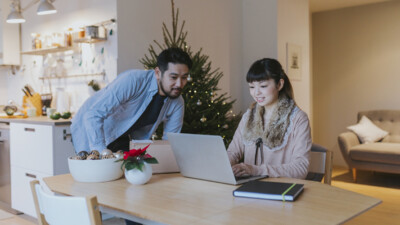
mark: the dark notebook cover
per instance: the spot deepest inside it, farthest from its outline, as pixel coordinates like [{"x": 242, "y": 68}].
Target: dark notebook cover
[{"x": 269, "y": 190}]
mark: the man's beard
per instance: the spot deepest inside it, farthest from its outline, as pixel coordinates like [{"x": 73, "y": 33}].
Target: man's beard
[{"x": 168, "y": 94}]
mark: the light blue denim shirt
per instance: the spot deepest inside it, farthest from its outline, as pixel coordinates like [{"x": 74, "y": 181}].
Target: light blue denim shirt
[{"x": 111, "y": 111}]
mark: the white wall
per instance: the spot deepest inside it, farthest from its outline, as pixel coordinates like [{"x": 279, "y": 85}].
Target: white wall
[
  {"x": 212, "y": 25},
  {"x": 293, "y": 28},
  {"x": 74, "y": 14},
  {"x": 260, "y": 39},
  {"x": 356, "y": 53},
  {"x": 233, "y": 33}
]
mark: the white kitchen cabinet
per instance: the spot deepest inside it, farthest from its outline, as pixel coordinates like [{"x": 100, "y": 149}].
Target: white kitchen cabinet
[
  {"x": 21, "y": 194},
  {"x": 36, "y": 151}
]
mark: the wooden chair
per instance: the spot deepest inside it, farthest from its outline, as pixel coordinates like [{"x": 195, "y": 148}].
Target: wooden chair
[
  {"x": 320, "y": 164},
  {"x": 63, "y": 210}
]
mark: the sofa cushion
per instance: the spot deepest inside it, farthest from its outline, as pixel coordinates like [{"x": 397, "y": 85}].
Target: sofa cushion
[
  {"x": 367, "y": 131},
  {"x": 392, "y": 138},
  {"x": 388, "y": 153}
]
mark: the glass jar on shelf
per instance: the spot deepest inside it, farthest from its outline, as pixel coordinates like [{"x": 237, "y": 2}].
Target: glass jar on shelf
[
  {"x": 36, "y": 41},
  {"x": 68, "y": 37},
  {"x": 81, "y": 32},
  {"x": 58, "y": 40}
]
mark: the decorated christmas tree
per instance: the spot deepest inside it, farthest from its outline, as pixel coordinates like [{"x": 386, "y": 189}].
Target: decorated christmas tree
[{"x": 206, "y": 111}]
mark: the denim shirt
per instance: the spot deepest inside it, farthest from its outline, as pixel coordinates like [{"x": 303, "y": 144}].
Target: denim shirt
[{"x": 111, "y": 111}]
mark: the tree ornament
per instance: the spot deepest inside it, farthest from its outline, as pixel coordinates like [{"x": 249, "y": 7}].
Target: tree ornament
[
  {"x": 199, "y": 103},
  {"x": 154, "y": 137},
  {"x": 202, "y": 89},
  {"x": 225, "y": 126}
]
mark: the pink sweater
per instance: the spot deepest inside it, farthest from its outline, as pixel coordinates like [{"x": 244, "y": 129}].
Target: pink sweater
[{"x": 291, "y": 159}]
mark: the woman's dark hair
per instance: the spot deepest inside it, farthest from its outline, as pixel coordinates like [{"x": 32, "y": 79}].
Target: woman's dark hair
[
  {"x": 175, "y": 56},
  {"x": 265, "y": 69}
]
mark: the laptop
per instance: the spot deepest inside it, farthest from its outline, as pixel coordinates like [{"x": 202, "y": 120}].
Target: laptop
[
  {"x": 161, "y": 150},
  {"x": 204, "y": 157}
]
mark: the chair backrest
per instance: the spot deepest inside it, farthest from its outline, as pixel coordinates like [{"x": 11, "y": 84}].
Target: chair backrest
[
  {"x": 63, "y": 210},
  {"x": 320, "y": 164}
]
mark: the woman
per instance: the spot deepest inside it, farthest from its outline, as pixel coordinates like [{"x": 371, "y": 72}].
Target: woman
[{"x": 273, "y": 137}]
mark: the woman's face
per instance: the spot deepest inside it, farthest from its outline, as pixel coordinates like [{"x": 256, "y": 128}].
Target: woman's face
[{"x": 265, "y": 92}]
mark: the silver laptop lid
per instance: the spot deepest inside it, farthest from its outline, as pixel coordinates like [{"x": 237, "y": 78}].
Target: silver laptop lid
[{"x": 202, "y": 156}]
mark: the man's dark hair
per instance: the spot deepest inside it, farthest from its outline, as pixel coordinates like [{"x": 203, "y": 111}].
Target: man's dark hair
[{"x": 175, "y": 56}]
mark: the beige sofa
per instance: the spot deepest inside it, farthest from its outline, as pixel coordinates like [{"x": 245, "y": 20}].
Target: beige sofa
[{"x": 381, "y": 156}]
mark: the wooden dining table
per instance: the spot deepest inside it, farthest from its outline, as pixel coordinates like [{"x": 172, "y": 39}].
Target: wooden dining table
[{"x": 174, "y": 199}]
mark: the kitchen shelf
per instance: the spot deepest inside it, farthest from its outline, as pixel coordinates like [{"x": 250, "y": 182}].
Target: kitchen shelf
[
  {"x": 74, "y": 76},
  {"x": 46, "y": 51},
  {"x": 90, "y": 40}
]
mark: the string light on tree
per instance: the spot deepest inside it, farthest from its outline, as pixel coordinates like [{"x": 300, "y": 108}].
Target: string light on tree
[{"x": 201, "y": 88}]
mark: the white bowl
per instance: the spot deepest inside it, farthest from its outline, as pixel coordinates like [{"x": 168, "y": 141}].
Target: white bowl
[{"x": 101, "y": 170}]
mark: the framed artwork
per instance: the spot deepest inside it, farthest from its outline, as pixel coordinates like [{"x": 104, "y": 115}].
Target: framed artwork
[{"x": 293, "y": 61}]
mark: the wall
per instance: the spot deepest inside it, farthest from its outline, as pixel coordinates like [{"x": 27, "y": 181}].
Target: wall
[
  {"x": 233, "y": 33},
  {"x": 74, "y": 14},
  {"x": 356, "y": 52},
  {"x": 216, "y": 31},
  {"x": 293, "y": 28},
  {"x": 260, "y": 39}
]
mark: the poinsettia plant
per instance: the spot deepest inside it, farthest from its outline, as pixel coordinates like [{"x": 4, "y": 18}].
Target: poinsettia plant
[{"x": 135, "y": 158}]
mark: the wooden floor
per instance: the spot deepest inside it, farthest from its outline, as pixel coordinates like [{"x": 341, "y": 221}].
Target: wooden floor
[{"x": 379, "y": 185}]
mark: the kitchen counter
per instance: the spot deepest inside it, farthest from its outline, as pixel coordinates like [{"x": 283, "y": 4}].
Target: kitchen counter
[{"x": 43, "y": 120}]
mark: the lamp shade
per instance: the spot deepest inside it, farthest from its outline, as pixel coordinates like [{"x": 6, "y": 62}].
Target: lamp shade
[
  {"x": 15, "y": 17},
  {"x": 45, "y": 7}
]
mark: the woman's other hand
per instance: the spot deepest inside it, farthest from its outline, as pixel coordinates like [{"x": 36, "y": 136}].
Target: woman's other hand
[{"x": 242, "y": 170}]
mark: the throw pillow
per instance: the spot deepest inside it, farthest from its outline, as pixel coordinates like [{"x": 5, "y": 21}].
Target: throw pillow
[{"x": 367, "y": 131}]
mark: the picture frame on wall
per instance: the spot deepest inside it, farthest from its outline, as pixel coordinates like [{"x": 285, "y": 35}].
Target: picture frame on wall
[{"x": 293, "y": 61}]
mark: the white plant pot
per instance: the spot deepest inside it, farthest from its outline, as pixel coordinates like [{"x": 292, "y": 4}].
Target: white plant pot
[{"x": 136, "y": 176}]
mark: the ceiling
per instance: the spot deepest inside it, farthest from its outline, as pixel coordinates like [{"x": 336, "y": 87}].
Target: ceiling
[{"x": 324, "y": 5}]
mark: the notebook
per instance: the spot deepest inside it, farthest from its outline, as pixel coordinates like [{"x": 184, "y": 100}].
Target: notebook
[
  {"x": 204, "y": 157},
  {"x": 161, "y": 150},
  {"x": 269, "y": 190}
]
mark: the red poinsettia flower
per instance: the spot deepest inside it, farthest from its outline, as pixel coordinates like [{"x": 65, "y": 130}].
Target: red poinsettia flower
[{"x": 135, "y": 158}]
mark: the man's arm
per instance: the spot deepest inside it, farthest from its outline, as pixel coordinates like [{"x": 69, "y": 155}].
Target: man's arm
[{"x": 115, "y": 94}]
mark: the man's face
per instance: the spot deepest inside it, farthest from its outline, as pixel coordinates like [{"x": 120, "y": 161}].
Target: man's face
[{"x": 172, "y": 81}]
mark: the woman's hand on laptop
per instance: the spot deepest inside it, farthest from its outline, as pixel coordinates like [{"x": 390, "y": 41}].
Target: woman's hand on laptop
[{"x": 241, "y": 170}]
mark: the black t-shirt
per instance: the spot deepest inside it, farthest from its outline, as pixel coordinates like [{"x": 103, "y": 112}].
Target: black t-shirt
[{"x": 149, "y": 116}]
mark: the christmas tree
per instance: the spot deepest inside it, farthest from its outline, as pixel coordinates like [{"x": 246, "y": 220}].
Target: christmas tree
[{"x": 206, "y": 112}]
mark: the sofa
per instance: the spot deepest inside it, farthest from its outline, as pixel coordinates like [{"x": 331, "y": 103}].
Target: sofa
[{"x": 382, "y": 155}]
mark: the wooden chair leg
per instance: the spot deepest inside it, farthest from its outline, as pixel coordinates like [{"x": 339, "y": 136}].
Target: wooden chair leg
[{"x": 354, "y": 175}]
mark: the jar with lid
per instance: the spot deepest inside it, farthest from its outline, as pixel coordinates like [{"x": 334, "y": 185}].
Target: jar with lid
[
  {"x": 68, "y": 37},
  {"x": 81, "y": 32},
  {"x": 36, "y": 41},
  {"x": 57, "y": 40}
]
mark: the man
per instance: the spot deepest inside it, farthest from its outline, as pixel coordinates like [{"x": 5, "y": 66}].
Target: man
[{"x": 133, "y": 105}]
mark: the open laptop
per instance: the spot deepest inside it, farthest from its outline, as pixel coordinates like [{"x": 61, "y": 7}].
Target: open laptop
[{"x": 204, "y": 157}]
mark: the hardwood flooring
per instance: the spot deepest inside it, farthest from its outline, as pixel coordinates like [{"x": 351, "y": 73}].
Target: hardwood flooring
[{"x": 379, "y": 185}]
